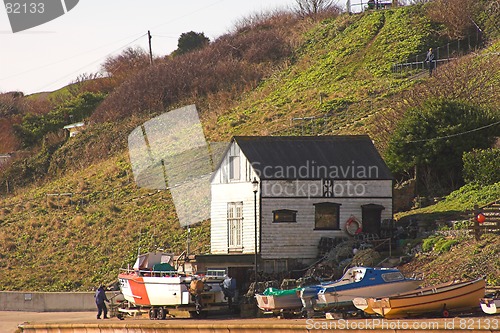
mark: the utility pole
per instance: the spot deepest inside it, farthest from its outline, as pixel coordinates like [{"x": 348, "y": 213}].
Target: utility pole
[{"x": 150, "y": 50}]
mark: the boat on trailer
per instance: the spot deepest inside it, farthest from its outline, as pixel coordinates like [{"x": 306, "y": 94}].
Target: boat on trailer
[
  {"x": 363, "y": 282},
  {"x": 154, "y": 284},
  {"x": 442, "y": 298}
]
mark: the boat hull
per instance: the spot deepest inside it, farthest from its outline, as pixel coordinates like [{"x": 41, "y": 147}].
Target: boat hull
[
  {"x": 364, "y": 305},
  {"x": 275, "y": 303},
  {"x": 490, "y": 305},
  {"x": 164, "y": 291},
  {"x": 343, "y": 298},
  {"x": 436, "y": 299}
]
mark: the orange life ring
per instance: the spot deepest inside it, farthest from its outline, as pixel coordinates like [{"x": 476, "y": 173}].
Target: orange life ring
[{"x": 353, "y": 226}]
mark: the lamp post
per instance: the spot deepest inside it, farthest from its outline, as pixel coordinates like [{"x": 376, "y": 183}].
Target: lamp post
[{"x": 255, "y": 186}]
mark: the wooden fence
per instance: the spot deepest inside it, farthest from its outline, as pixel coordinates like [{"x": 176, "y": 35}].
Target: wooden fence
[{"x": 491, "y": 223}]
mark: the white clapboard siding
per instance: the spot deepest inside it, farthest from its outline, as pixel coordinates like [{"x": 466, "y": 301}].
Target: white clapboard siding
[
  {"x": 315, "y": 188},
  {"x": 299, "y": 239},
  {"x": 222, "y": 194},
  {"x": 245, "y": 172}
]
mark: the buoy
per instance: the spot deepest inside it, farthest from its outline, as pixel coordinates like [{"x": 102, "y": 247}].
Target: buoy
[{"x": 353, "y": 226}]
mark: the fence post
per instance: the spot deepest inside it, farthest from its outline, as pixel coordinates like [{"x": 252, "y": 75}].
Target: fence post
[{"x": 477, "y": 231}]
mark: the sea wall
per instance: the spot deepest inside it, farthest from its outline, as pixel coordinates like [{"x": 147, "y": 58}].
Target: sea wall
[{"x": 47, "y": 302}]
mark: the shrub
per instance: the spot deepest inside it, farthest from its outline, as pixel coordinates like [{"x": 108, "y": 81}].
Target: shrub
[
  {"x": 35, "y": 126},
  {"x": 428, "y": 243},
  {"x": 481, "y": 166},
  {"x": 233, "y": 63},
  {"x": 444, "y": 245}
]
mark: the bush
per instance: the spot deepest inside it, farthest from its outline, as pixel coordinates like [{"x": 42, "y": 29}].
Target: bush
[
  {"x": 428, "y": 243},
  {"x": 481, "y": 166},
  {"x": 445, "y": 245},
  {"x": 438, "y": 244},
  {"x": 34, "y": 126}
]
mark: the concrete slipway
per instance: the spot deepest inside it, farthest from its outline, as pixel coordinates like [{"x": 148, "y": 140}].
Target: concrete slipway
[{"x": 261, "y": 325}]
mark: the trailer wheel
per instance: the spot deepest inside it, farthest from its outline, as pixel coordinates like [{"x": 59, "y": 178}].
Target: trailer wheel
[
  {"x": 161, "y": 314},
  {"x": 153, "y": 313}
]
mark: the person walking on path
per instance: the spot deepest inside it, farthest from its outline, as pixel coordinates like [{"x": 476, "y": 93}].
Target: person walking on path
[
  {"x": 100, "y": 298},
  {"x": 431, "y": 60}
]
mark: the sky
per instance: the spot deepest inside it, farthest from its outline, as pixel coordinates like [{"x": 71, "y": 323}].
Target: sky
[{"x": 52, "y": 55}]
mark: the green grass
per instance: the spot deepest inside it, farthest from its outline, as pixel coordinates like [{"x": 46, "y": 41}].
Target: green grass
[
  {"x": 346, "y": 61},
  {"x": 456, "y": 203}
]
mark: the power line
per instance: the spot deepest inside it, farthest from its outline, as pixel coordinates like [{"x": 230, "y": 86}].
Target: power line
[
  {"x": 456, "y": 134},
  {"x": 63, "y": 60},
  {"x": 91, "y": 63},
  {"x": 163, "y": 36}
]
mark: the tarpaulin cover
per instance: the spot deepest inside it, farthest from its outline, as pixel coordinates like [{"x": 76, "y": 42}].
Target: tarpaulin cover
[
  {"x": 165, "y": 267},
  {"x": 280, "y": 292}
]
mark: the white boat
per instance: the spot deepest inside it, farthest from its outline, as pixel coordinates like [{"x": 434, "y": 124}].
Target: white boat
[
  {"x": 490, "y": 305},
  {"x": 364, "y": 282},
  {"x": 154, "y": 283},
  {"x": 274, "y": 300}
]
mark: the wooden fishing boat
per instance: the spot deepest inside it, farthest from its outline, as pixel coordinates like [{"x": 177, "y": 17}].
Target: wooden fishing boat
[
  {"x": 441, "y": 299},
  {"x": 365, "y": 304}
]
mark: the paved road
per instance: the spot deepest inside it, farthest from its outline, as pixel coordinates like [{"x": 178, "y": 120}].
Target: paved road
[{"x": 10, "y": 319}]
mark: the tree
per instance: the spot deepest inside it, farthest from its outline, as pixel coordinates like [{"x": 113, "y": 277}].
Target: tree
[
  {"x": 431, "y": 140},
  {"x": 314, "y": 7},
  {"x": 190, "y": 41},
  {"x": 130, "y": 60},
  {"x": 456, "y": 15}
]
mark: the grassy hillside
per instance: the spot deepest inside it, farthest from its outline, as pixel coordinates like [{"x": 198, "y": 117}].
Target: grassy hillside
[
  {"x": 78, "y": 230},
  {"x": 82, "y": 216},
  {"x": 452, "y": 249},
  {"x": 458, "y": 258},
  {"x": 341, "y": 74}
]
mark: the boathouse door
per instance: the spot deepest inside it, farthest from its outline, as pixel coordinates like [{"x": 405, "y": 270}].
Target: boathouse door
[{"x": 372, "y": 218}]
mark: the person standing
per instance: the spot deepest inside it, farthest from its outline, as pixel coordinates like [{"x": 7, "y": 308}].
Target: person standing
[
  {"x": 229, "y": 289},
  {"x": 100, "y": 298},
  {"x": 431, "y": 60},
  {"x": 196, "y": 287}
]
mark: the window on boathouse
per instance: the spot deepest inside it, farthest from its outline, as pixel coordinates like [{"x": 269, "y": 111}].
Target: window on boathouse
[
  {"x": 234, "y": 163},
  {"x": 235, "y": 224},
  {"x": 326, "y": 216},
  {"x": 284, "y": 216}
]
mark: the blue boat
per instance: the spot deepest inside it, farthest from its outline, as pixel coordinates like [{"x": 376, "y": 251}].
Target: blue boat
[{"x": 362, "y": 282}]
